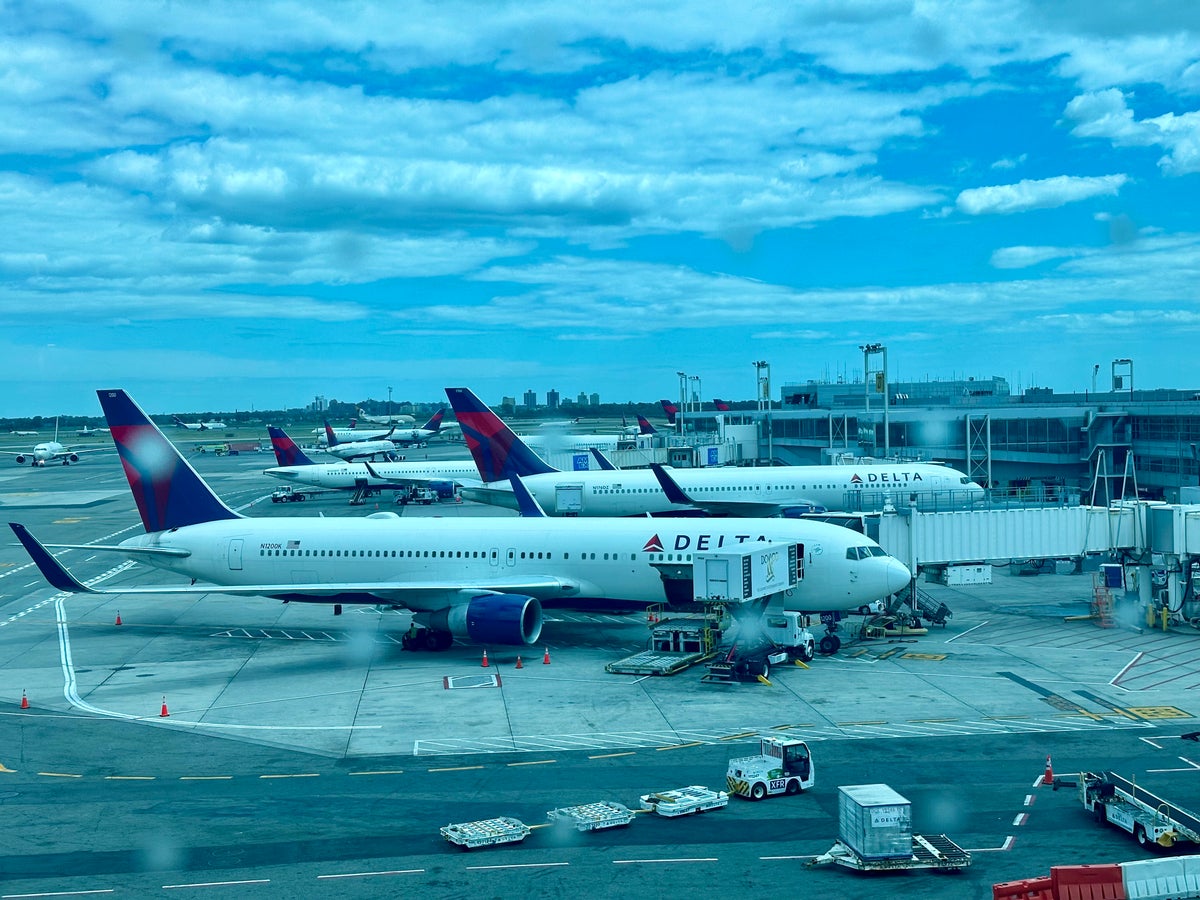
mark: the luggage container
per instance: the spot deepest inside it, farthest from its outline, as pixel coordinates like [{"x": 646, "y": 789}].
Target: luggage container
[{"x": 874, "y": 821}]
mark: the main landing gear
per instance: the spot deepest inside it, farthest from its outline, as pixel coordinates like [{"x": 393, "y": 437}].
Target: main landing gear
[{"x": 418, "y": 638}]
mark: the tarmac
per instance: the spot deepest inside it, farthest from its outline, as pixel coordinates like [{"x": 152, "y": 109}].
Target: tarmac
[{"x": 251, "y": 679}]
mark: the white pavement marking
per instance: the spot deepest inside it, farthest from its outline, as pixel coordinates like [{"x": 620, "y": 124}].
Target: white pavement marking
[{"x": 375, "y": 874}]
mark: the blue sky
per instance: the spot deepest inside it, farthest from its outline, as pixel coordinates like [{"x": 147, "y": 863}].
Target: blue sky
[{"x": 220, "y": 205}]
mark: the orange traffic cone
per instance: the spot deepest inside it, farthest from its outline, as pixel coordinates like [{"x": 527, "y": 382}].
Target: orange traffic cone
[
  {"x": 24, "y": 701},
  {"x": 546, "y": 657},
  {"x": 164, "y": 713},
  {"x": 118, "y": 617},
  {"x": 519, "y": 666},
  {"x": 1048, "y": 776},
  {"x": 484, "y": 664}
]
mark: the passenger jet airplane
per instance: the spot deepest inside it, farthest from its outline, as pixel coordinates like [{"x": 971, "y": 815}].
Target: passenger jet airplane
[
  {"x": 297, "y": 468},
  {"x": 198, "y": 426},
  {"x": 407, "y": 437},
  {"x": 51, "y": 451},
  {"x": 727, "y": 490},
  {"x": 396, "y": 419},
  {"x": 348, "y": 450},
  {"x": 479, "y": 578}
]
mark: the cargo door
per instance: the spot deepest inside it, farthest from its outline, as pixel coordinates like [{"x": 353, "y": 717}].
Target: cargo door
[
  {"x": 235, "y": 555},
  {"x": 568, "y": 499}
]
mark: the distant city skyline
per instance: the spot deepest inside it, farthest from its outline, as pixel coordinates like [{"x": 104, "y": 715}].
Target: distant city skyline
[{"x": 335, "y": 199}]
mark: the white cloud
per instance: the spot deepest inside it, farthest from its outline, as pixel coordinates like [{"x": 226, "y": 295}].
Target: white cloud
[
  {"x": 1044, "y": 193},
  {"x": 1105, "y": 114},
  {"x": 1023, "y": 257}
]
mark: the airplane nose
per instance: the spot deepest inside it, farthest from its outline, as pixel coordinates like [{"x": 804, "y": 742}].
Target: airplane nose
[{"x": 898, "y": 576}]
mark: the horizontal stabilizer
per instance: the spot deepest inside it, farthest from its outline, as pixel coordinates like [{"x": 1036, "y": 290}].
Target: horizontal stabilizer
[
  {"x": 52, "y": 570},
  {"x": 527, "y": 504}
]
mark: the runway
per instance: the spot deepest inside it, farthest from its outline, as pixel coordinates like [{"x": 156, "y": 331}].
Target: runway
[{"x": 312, "y": 750}]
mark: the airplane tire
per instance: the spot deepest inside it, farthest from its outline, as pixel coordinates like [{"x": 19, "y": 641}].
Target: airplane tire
[{"x": 830, "y": 644}]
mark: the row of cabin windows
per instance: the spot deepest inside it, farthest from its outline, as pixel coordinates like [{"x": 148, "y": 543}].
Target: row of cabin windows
[
  {"x": 463, "y": 554},
  {"x": 713, "y": 490}
]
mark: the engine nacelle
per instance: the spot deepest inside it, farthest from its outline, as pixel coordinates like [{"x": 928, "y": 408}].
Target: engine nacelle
[
  {"x": 74, "y": 457},
  {"x": 20, "y": 459},
  {"x": 491, "y": 619}
]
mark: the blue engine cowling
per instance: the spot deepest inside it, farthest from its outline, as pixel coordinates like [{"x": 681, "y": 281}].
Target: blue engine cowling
[{"x": 492, "y": 619}]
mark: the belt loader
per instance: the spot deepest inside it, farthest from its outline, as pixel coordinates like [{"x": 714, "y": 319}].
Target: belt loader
[{"x": 1149, "y": 818}]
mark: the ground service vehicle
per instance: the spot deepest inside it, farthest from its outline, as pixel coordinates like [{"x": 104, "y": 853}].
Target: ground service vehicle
[
  {"x": 592, "y": 816},
  {"x": 486, "y": 832},
  {"x": 1148, "y": 817},
  {"x": 286, "y": 494},
  {"x": 783, "y": 766},
  {"x": 684, "y": 801},
  {"x": 779, "y": 637},
  {"x": 422, "y": 496}
]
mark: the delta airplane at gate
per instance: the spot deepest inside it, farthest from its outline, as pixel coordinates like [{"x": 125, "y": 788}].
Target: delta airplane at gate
[
  {"x": 481, "y": 579},
  {"x": 729, "y": 491}
]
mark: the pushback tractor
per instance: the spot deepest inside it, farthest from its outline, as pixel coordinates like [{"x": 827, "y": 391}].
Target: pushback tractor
[{"x": 783, "y": 766}]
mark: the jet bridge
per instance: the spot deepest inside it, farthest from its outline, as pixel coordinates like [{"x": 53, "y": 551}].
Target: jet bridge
[{"x": 1158, "y": 543}]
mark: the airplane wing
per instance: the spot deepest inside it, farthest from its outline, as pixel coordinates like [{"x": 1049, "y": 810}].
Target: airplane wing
[
  {"x": 410, "y": 594},
  {"x": 742, "y": 509}
]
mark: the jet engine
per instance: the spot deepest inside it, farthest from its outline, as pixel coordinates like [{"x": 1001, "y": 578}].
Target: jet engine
[
  {"x": 20, "y": 459},
  {"x": 491, "y": 618},
  {"x": 74, "y": 457}
]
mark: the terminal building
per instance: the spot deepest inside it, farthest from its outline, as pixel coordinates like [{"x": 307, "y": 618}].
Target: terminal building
[{"x": 1036, "y": 445}]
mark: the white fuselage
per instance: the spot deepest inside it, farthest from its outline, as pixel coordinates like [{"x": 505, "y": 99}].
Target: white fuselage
[
  {"x": 630, "y": 492},
  {"x": 361, "y": 449},
  {"x": 351, "y": 434},
  {"x": 45, "y": 452},
  {"x": 348, "y": 476},
  {"x": 588, "y": 559}
]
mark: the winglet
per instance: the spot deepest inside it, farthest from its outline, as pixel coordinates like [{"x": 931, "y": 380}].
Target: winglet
[
  {"x": 371, "y": 471},
  {"x": 52, "y": 570},
  {"x": 527, "y": 505},
  {"x": 602, "y": 460},
  {"x": 498, "y": 453},
  {"x": 286, "y": 451},
  {"x": 670, "y": 487}
]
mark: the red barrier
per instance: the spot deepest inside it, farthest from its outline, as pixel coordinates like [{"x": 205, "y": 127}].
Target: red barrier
[
  {"x": 1038, "y": 888},
  {"x": 1101, "y": 882}
]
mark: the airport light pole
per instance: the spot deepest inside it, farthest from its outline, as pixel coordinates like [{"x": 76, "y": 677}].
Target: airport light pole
[
  {"x": 389, "y": 414},
  {"x": 682, "y": 399},
  {"x": 696, "y": 395},
  {"x": 764, "y": 399},
  {"x": 881, "y": 385}
]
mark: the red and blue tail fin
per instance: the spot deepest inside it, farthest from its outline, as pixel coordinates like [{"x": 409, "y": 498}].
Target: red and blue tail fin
[
  {"x": 670, "y": 409},
  {"x": 286, "y": 451},
  {"x": 168, "y": 491},
  {"x": 435, "y": 421},
  {"x": 644, "y": 426},
  {"x": 720, "y": 405},
  {"x": 499, "y": 454}
]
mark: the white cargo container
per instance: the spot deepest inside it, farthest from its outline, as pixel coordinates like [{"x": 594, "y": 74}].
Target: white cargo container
[
  {"x": 874, "y": 821},
  {"x": 754, "y": 571}
]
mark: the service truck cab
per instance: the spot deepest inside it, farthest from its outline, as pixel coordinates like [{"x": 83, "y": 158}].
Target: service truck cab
[{"x": 783, "y": 766}]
